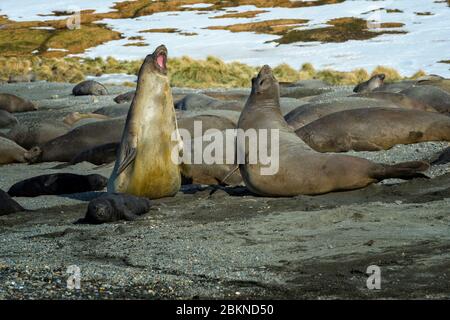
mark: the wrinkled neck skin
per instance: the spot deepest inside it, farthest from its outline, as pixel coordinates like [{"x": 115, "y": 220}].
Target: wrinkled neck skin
[{"x": 263, "y": 113}]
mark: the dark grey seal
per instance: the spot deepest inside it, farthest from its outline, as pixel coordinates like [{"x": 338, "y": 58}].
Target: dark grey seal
[
  {"x": 373, "y": 83},
  {"x": 114, "y": 207},
  {"x": 57, "y": 183},
  {"x": 89, "y": 87},
  {"x": 7, "y": 119},
  {"x": 125, "y": 97},
  {"x": 8, "y": 205}
]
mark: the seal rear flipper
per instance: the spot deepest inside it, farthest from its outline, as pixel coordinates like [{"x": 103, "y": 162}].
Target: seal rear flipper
[{"x": 405, "y": 170}]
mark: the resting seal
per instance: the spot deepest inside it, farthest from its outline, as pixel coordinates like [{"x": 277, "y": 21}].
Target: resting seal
[
  {"x": 114, "y": 207},
  {"x": 443, "y": 158},
  {"x": 399, "y": 99},
  {"x": 67, "y": 146},
  {"x": 32, "y": 134},
  {"x": 375, "y": 82},
  {"x": 8, "y": 205},
  {"x": 74, "y": 117},
  {"x": 12, "y": 103},
  {"x": 144, "y": 166},
  {"x": 11, "y": 152},
  {"x": 374, "y": 129},
  {"x": 301, "y": 169},
  {"x": 196, "y": 101},
  {"x": 125, "y": 97},
  {"x": 430, "y": 95},
  {"x": 89, "y": 87},
  {"x": 7, "y": 119},
  {"x": 105, "y": 153},
  {"x": 57, "y": 183}
]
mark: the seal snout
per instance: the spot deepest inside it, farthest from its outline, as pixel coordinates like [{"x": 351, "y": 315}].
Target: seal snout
[{"x": 160, "y": 58}]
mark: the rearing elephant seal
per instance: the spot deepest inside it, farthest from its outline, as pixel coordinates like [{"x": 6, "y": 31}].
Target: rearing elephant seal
[
  {"x": 144, "y": 166},
  {"x": 302, "y": 170}
]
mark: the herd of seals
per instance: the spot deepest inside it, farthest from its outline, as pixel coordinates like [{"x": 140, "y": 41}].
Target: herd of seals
[{"x": 138, "y": 138}]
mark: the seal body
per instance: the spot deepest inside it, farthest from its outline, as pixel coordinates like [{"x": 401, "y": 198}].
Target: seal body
[
  {"x": 7, "y": 119},
  {"x": 125, "y": 97},
  {"x": 89, "y": 87},
  {"x": 301, "y": 169},
  {"x": 144, "y": 166},
  {"x": 57, "y": 183},
  {"x": 8, "y": 205},
  {"x": 399, "y": 99},
  {"x": 12, "y": 103},
  {"x": 98, "y": 155},
  {"x": 374, "y": 129},
  {"x": 67, "y": 146},
  {"x": 433, "y": 96},
  {"x": 74, "y": 117},
  {"x": 196, "y": 101},
  {"x": 11, "y": 152},
  {"x": 443, "y": 158},
  {"x": 114, "y": 207},
  {"x": 32, "y": 134},
  {"x": 373, "y": 83}
]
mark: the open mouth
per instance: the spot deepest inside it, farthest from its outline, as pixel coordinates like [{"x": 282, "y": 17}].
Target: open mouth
[{"x": 161, "y": 59}]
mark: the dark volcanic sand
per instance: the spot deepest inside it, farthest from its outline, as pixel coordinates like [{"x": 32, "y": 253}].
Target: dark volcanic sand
[{"x": 227, "y": 243}]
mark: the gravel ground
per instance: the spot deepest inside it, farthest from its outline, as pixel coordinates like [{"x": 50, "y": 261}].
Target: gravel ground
[{"x": 215, "y": 242}]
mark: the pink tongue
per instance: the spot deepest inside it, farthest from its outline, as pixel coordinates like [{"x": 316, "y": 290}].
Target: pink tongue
[{"x": 160, "y": 61}]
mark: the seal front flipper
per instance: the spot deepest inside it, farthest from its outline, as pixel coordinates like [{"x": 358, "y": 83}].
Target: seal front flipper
[{"x": 127, "y": 156}]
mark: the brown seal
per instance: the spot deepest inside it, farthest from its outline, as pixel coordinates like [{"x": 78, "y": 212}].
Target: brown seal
[
  {"x": 374, "y": 129},
  {"x": 11, "y": 152},
  {"x": 144, "y": 166},
  {"x": 35, "y": 133},
  {"x": 301, "y": 169},
  {"x": 430, "y": 95},
  {"x": 12, "y": 103},
  {"x": 74, "y": 117},
  {"x": 399, "y": 99}
]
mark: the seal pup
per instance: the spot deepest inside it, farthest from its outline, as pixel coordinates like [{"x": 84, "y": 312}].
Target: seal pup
[
  {"x": 67, "y": 146},
  {"x": 57, "y": 183},
  {"x": 112, "y": 207},
  {"x": 11, "y": 152},
  {"x": 144, "y": 166},
  {"x": 89, "y": 87},
  {"x": 7, "y": 119},
  {"x": 301, "y": 169},
  {"x": 375, "y": 82},
  {"x": 12, "y": 103},
  {"x": 8, "y": 205},
  {"x": 374, "y": 129}
]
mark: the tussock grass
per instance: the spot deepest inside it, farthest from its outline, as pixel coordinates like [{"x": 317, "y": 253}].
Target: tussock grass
[{"x": 211, "y": 72}]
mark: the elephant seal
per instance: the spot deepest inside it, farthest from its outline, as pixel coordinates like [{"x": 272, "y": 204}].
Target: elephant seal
[
  {"x": 114, "y": 111},
  {"x": 125, "y": 97},
  {"x": 443, "y": 158},
  {"x": 301, "y": 169},
  {"x": 12, "y": 103},
  {"x": 57, "y": 183},
  {"x": 430, "y": 95},
  {"x": 375, "y": 82},
  {"x": 207, "y": 122},
  {"x": 74, "y": 117},
  {"x": 144, "y": 166},
  {"x": 7, "y": 119},
  {"x": 114, "y": 207},
  {"x": 396, "y": 86},
  {"x": 89, "y": 88},
  {"x": 374, "y": 129},
  {"x": 398, "y": 99},
  {"x": 197, "y": 101},
  {"x": 11, "y": 152},
  {"x": 310, "y": 112},
  {"x": 8, "y": 205},
  {"x": 32, "y": 134},
  {"x": 67, "y": 146},
  {"x": 441, "y": 83},
  {"x": 105, "y": 153}
]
